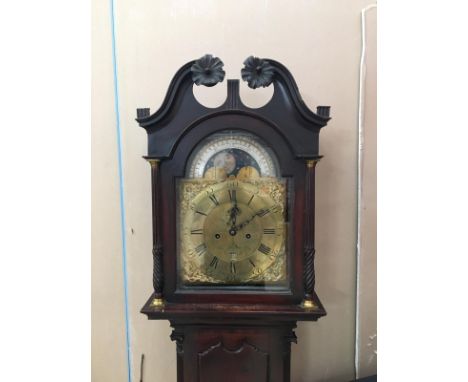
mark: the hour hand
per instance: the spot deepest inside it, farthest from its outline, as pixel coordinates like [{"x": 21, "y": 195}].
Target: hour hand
[{"x": 233, "y": 212}]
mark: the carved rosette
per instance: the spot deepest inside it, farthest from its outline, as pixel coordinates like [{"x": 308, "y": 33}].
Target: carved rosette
[
  {"x": 207, "y": 71},
  {"x": 257, "y": 72}
]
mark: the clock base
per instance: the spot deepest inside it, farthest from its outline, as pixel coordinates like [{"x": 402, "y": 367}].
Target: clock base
[
  {"x": 231, "y": 352},
  {"x": 233, "y": 343}
]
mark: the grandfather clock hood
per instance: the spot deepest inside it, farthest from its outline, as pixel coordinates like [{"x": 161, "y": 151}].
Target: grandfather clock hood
[{"x": 286, "y": 112}]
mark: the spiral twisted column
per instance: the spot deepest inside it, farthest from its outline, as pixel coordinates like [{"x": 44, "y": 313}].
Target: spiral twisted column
[
  {"x": 158, "y": 274},
  {"x": 309, "y": 247}
]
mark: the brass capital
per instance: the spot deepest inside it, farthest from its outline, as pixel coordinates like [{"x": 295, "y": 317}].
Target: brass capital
[
  {"x": 153, "y": 162},
  {"x": 311, "y": 163}
]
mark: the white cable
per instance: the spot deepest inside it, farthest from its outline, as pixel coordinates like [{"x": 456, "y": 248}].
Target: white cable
[{"x": 362, "y": 79}]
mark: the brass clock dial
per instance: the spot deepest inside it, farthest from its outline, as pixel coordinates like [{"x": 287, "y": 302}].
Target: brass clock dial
[{"x": 233, "y": 231}]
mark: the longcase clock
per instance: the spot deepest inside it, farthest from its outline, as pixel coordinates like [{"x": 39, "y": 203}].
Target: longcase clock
[{"x": 233, "y": 222}]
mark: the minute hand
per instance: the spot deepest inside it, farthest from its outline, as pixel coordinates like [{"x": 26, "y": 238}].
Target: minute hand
[
  {"x": 262, "y": 212},
  {"x": 244, "y": 223}
]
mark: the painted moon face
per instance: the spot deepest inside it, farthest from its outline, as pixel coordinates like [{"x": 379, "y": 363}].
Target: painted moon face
[{"x": 226, "y": 161}]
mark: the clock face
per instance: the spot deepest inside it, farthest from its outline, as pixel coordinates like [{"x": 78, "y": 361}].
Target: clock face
[{"x": 232, "y": 228}]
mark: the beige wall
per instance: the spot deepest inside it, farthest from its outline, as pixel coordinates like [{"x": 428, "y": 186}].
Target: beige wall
[
  {"x": 367, "y": 286},
  {"x": 108, "y": 320},
  {"x": 319, "y": 41}
]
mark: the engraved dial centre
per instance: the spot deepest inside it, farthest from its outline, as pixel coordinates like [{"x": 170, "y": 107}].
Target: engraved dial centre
[{"x": 228, "y": 242}]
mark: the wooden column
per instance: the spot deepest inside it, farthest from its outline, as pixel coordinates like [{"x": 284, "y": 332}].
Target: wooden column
[
  {"x": 309, "y": 245},
  {"x": 157, "y": 245}
]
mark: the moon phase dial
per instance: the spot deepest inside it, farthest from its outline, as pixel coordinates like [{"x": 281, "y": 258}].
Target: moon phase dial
[{"x": 227, "y": 155}]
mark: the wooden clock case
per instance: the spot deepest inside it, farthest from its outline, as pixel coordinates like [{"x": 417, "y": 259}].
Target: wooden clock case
[{"x": 233, "y": 334}]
